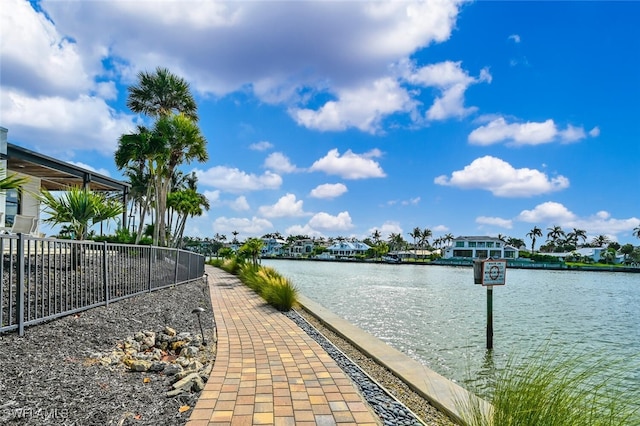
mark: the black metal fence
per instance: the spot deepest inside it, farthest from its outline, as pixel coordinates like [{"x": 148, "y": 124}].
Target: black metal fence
[{"x": 45, "y": 278}]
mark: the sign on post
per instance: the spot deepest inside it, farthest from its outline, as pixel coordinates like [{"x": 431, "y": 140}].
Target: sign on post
[
  {"x": 493, "y": 272},
  {"x": 489, "y": 272}
]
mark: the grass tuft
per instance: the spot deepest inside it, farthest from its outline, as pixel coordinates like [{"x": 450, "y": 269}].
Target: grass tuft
[{"x": 551, "y": 388}]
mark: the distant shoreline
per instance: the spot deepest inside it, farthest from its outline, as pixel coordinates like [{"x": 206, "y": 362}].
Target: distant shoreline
[{"x": 468, "y": 264}]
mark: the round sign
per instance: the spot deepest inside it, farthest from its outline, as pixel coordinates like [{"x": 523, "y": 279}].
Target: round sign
[{"x": 494, "y": 272}]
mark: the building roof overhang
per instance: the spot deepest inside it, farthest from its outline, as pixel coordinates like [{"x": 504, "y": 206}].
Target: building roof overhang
[{"x": 57, "y": 175}]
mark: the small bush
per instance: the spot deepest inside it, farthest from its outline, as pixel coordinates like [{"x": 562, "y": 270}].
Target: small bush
[{"x": 280, "y": 293}]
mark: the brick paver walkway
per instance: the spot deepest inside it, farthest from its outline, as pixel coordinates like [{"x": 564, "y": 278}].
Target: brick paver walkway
[{"x": 268, "y": 371}]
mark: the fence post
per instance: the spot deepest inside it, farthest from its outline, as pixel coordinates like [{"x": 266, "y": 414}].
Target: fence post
[
  {"x": 150, "y": 265},
  {"x": 104, "y": 274},
  {"x": 175, "y": 276},
  {"x": 20, "y": 286}
]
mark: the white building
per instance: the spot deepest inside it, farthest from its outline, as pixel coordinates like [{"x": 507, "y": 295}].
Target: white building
[
  {"x": 342, "y": 249},
  {"x": 272, "y": 247},
  {"x": 480, "y": 248},
  {"x": 301, "y": 248}
]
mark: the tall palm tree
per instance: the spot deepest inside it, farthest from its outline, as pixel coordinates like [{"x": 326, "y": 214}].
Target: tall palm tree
[
  {"x": 161, "y": 93},
  {"x": 533, "y": 234},
  {"x": 636, "y": 231},
  {"x": 186, "y": 203},
  {"x": 415, "y": 234},
  {"x": 577, "y": 234},
  {"x": 424, "y": 238},
  {"x": 555, "y": 233},
  {"x": 600, "y": 241},
  {"x": 448, "y": 238}
]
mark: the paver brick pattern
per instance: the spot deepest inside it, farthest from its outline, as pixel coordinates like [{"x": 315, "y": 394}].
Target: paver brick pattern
[{"x": 268, "y": 371}]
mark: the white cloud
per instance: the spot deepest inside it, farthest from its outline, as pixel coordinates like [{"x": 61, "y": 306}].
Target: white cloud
[
  {"x": 326, "y": 222},
  {"x": 515, "y": 38},
  {"x": 411, "y": 201},
  {"x": 349, "y": 165},
  {"x": 246, "y": 227},
  {"x": 553, "y": 213},
  {"x": 279, "y": 162},
  {"x": 547, "y": 212},
  {"x": 529, "y": 133},
  {"x": 328, "y": 190},
  {"x": 440, "y": 228},
  {"x": 495, "y": 221},
  {"x": 103, "y": 172},
  {"x": 57, "y": 124},
  {"x": 239, "y": 204},
  {"x": 387, "y": 228},
  {"x": 303, "y": 230},
  {"x": 502, "y": 179},
  {"x": 452, "y": 81},
  {"x": 595, "y": 132},
  {"x": 361, "y": 107},
  {"x": 36, "y": 59},
  {"x": 261, "y": 146},
  {"x": 286, "y": 206},
  {"x": 234, "y": 180}
]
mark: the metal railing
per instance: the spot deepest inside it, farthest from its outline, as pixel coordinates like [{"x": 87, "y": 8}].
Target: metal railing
[{"x": 45, "y": 278}]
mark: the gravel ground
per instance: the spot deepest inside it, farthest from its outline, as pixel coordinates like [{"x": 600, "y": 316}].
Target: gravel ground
[{"x": 51, "y": 376}]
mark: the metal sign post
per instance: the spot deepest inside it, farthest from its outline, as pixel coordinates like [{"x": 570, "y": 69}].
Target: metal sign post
[{"x": 489, "y": 273}]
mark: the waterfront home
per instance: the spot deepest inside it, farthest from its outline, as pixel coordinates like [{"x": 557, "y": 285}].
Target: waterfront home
[
  {"x": 301, "y": 248},
  {"x": 593, "y": 253},
  {"x": 272, "y": 247},
  {"x": 347, "y": 249},
  {"x": 418, "y": 254},
  {"x": 480, "y": 248}
]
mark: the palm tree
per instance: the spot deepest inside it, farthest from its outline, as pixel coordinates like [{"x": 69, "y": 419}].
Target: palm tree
[
  {"x": 577, "y": 234},
  {"x": 253, "y": 247},
  {"x": 448, "y": 238},
  {"x": 186, "y": 203},
  {"x": 160, "y": 94},
  {"x": 175, "y": 138},
  {"x": 555, "y": 233},
  {"x": 424, "y": 238},
  {"x": 600, "y": 241},
  {"x": 636, "y": 231},
  {"x": 533, "y": 234},
  {"x": 12, "y": 181},
  {"x": 80, "y": 208},
  {"x": 235, "y": 237},
  {"x": 415, "y": 234}
]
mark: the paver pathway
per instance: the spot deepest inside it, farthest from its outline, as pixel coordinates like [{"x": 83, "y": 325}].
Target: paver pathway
[{"x": 268, "y": 371}]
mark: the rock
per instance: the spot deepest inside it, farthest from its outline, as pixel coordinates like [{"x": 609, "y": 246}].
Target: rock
[
  {"x": 157, "y": 366},
  {"x": 140, "y": 365},
  {"x": 169, "y": 331},
  {"x": 174, "y": 392},
  {"x": 186, "y": 382},
  {"x": 172, "y": 369},
  {"x": 189, "y": 351},
  {"x": 138, "y": 336},
  {"x": 198, "y": 384},
  {"x": 195, "y": 365}
]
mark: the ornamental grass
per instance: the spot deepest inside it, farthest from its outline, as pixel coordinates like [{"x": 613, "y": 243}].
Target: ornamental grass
[{"x": 551, "y": 388}]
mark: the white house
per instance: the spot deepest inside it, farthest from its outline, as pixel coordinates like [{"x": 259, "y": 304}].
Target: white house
[
  {"x": 301, "y": 248},
  {"x": 591, "y": 252},
  {"x": 272, "y": 247},
  {"x": 342, "y": 249},
  {"x": 480, "y": 248}
]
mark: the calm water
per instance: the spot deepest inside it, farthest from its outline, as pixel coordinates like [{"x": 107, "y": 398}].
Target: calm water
[{"x": 436, "y": 315}]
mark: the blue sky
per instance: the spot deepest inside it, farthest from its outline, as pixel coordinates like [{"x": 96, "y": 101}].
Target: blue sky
[{"x": 341, "y": 117}]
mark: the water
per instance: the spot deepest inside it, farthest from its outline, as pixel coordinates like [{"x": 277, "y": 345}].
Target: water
[{"x": 436, "y": 315}]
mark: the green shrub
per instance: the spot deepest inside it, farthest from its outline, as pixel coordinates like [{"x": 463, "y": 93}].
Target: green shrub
[
  {"x": 280, "y": 293},
  {"x": 553, "y": 389}
]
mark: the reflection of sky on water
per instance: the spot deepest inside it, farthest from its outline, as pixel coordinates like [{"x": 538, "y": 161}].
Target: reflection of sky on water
[{"x": 437, "y": 315}]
